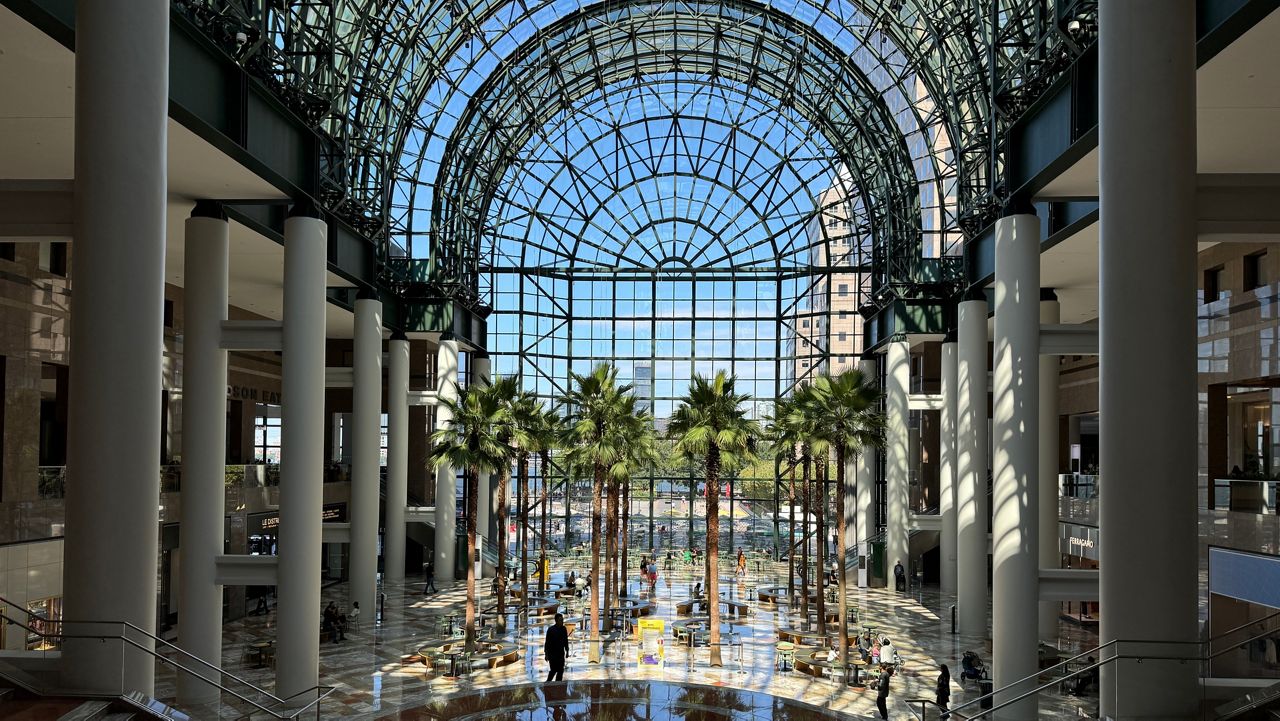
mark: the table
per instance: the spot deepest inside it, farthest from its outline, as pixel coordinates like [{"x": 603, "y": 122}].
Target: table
[
  {"x": 618, "y": 616},
  {"x": 785, "y": 651},
  {"x": 453, "y": 661},
  {"x": 857, "y": 664},
  {"x": 260, "y": 651}
]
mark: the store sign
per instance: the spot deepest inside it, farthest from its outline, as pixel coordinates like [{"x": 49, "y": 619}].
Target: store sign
[
  {"x": 331, "y": 513},
  {"x": 257, "y": 395},
  {"x": 1077, "y": 540}
]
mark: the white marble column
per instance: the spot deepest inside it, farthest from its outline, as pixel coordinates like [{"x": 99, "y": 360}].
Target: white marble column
[
  {"x": 1050, "y": 556},
  {"x": 446, "y": 476},
  {"x": 947, "y": 467},
  {"x": 366, "y": 437},
  {"x": 1015, "y": 540},
  {"x": 864, "y": 520},
  {"x": 204, "y": 445},
  {"x": 1147, "y": 338},
  {"x": 971, "y": 468},
  {"x": 116, "y": 336},
  {"x": 393, "y": 541},
  {"x": 301, "y": 455},
  {"x": 897, "y": 411}
]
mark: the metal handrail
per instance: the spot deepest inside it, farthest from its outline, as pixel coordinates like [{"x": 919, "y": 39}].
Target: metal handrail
[
  {"x": 326, "y": 690},
  {"x": 1072, "y": 674},
  {"x": 1247, "y": 624},
  {"x": 148, "y": 634}
]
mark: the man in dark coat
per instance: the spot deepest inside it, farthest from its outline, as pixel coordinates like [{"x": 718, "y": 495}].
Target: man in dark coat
[
  {"x": 556, "y": 649},
  {"x": 882, "y": 693}
]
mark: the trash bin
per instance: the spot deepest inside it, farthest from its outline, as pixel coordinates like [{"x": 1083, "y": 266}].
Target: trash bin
[{"x": 985, "y": 687}]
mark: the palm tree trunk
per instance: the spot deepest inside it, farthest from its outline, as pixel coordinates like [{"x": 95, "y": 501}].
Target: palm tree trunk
[
  {"x": 626, "y": 528},
  {"x": 804, "y": 539},
  {"x": 713, "y": 552},
  {"x": 791, "y": 526},
  {"x": 842, "y": 558},
  {"x": 473, "y": 490},
  {"x": 523, "y": 520},
  {"x": 546, "y": 507},
  {"x": 820, "y": 549},
  {"x": 500, "y": 622},
  {"x": 597, "y": 501},
  {"x": 611, "y": 550}
]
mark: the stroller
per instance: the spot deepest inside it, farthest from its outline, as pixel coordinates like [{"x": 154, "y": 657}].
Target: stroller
[{"x": 971, "y": 667}]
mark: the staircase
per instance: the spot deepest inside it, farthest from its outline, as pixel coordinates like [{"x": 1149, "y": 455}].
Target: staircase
[
  {"x": 31, "y": 687},
  {"x": 19, "y": 705},
  {"x": 1255, "y": 704}
]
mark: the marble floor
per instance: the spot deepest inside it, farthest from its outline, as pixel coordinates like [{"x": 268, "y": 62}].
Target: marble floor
[{"x": 376, "y": 672}]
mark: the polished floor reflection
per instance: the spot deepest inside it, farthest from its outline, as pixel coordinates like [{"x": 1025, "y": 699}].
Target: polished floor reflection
[{"x": 617, "y": 699}]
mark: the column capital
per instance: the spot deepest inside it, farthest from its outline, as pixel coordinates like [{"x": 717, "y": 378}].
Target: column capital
[
  {"x": 305, "y": 208},
  {"x": 399, "y": 335},
  {"x": 209, "y": 209},
  {"x": 1017, "y": 205}
]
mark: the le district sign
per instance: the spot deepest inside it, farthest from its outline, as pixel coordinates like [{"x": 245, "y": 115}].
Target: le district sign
[{"x": 241, "y": 393}]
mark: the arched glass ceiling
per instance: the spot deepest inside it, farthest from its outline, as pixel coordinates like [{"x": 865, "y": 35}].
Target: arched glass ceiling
[
  {"x": 883, "y": 128},
  {"x": 679, "y": 172},
  {"x": 384, "y": 78},
  {"x": 706, "y": 50}
]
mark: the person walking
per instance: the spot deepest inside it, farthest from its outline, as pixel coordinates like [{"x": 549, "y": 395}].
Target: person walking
[
  {"x": 429, "y": 570},
  {"x": 943, "y": 690},
  {"x": 900, "y": 577},
  {"x": 882, "y": 693},
  {"x": 556, "y": 648},
  {"x": 742, "y": 564}
]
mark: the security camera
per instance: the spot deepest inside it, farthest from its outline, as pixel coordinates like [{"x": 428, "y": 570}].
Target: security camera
[{"x": 241, "y": 39}]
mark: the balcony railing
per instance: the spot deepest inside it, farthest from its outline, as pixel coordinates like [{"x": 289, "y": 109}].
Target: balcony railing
[{"x": 52, "y": 480}]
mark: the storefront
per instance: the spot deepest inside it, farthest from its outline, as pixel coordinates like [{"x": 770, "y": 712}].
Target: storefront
[{"x": 1079, "y": 546}]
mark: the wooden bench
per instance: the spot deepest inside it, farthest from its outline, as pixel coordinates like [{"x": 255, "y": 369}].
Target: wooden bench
[
  {"x": 803, "y": 638},
  {"x": 815, "y": 663}
]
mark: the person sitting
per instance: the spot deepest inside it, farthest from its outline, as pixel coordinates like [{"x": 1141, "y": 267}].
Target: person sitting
[
  {"x": 330, "y": 622},
  {"x": 1086, "y": 679},
  {"x": 970, "y": 667}
]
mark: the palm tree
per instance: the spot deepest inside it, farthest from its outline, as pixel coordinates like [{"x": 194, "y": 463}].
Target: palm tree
[
  {"x": 846, "y": 407},
  {"x": 511, "y": 433},
  {"x": 598, "y": 407},
  {"x": 472, "y": 440},
  {"x": 526, "y": 411},
  {"x": 548, "y": 431},
  {"x": 783, "y": 435},
  {"x": 710, "y": 425},
  {"x": 803, "y": 421},
  {"x": 641, "y": 454}
]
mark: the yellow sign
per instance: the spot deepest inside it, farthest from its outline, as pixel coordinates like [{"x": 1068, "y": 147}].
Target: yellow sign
[{"x": 651, "y": 643}]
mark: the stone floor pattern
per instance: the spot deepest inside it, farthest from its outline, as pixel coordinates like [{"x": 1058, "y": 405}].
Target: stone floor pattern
[{"x": 376, "y": 673}]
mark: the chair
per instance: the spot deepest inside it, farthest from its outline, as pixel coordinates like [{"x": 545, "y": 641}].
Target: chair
[{"x": 786, "y": 659}]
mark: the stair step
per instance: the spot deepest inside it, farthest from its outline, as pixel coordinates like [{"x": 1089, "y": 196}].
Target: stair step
[
  {"x": 85, "y": 711},
  {"x": 36, "y": 709}
]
